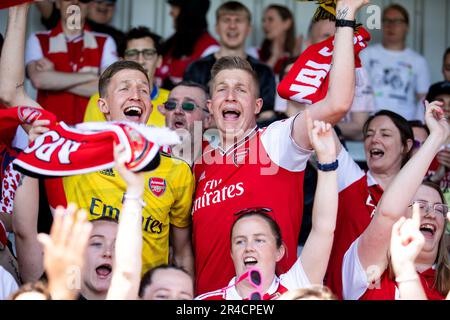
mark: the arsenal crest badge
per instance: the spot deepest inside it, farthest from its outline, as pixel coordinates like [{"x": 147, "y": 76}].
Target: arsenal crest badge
[{"x": 157, "y": 185}]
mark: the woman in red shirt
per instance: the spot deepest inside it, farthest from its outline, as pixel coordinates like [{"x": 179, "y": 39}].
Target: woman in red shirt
[{"x": 366, "y": 267}]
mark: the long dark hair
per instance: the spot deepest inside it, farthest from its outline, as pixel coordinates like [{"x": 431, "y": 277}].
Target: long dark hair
[
  {"x": 402, "y": 125},
  {"x": 189, "y": 25},
  {"x": 289, "y": 43}
]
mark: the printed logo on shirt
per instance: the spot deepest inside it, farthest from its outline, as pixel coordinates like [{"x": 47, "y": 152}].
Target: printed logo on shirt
[
  {"x": 202, "y": 176},
  {"x": 28, "y": 114},
  {"x": 157, "y": 186},
  {"x": 98, "y": 208},
  {"x": 213, "y": 194}
]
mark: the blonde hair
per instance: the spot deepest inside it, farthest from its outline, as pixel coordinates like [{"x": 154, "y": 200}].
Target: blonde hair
[{"x": 318, "y": 292}]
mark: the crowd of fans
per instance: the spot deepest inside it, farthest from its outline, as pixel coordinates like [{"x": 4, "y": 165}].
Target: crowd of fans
[{"x": 261, "y": 199}]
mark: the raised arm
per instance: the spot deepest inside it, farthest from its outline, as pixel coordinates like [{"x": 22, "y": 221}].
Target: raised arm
[
  {"x": 64, "y": 251},
  {"x": 406, "y": 243},
  {"x": 374, "y": 242},
  {"x": 182, "y": 247},
  {"x": 317, "y": 249},
  {"x": 342, "y": 77},
  {"x": 128, "y": 253},
  {"x": 12, "y": 91},
  {"x": 25, "y": 220}
]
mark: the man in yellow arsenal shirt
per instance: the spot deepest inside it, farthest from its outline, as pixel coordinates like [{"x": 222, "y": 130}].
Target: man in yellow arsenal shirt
[
  {"x": 143, "y": 47},
  {"x": 168, "y": 193}
]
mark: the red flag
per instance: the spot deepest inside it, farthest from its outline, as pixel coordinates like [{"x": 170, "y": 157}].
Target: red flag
[{"x": 11, "y": 3}]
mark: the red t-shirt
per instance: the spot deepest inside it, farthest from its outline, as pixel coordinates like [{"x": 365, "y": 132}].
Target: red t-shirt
[
  {"x": 358, "y": 197},
  {"x": 264, "y": 169},
  {"x": 387, "y": 289},
  {"x": 69, "y": 56}
]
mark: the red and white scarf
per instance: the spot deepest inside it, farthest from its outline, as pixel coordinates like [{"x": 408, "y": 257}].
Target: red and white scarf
[
  {"x": 87, "y": 147},
  {"x": 307, "y": 81}
]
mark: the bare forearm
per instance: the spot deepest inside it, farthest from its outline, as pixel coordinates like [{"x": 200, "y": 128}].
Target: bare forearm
[
  {"x": 126, "y": 277},
  {"x": 342, "y": 74},
  {"x": 11, "y": 62},
  {"x": 409, "y": 284},
  {"x": 29, "y": 257},
  {"x": 185, "y": 259},
  {"x": 55, "y": 80},
  {"x": 25, "y": 216},
  {"x": 86, "y": 89},
  {"x": 317, "y": 249},
  {"x": 325, "y": 202},
  {"x": 402, "y": 189}
]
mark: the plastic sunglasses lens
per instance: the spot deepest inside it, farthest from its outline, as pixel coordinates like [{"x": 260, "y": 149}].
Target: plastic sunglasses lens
[
  {"x": 170, "y": 105},
  {"x": 255, "y": 276},
  {"x": 188, "y": 106},
  {"x": 255, "y": 296}
]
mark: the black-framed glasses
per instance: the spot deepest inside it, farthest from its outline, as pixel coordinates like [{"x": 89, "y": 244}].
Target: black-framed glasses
[
  {"x": 438, "y": 208},
  {"x": 188, "y": 106},
  {"x": 253, "y": 276},
  {"x": 133, "y": 54},
  {"x": 85, "y": 1},
  {"x": 253, "y": 210}
]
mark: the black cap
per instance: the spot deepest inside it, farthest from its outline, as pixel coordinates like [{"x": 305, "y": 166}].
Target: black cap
[{"x": 437, "y": 89}]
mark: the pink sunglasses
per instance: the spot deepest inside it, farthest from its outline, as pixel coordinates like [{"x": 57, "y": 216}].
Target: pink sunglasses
[{"x": 253, "y": 275}]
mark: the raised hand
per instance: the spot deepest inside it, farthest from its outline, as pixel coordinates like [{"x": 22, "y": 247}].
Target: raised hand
[
  {"x": 406, "y": 243},
  {"x": 322, "y": 139},
  {"x": 436, "y": 121},
  {"x": 354, "y": 4},
  {"x": 64, "y": 251}
]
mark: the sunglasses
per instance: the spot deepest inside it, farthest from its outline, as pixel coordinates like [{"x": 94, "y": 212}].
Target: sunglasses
[
  {"x": 253, "y": 275},
  {"x": 253, "y": 210},
  {"x": 186, "y": 106},
  {"x": 133, "y": 54}
]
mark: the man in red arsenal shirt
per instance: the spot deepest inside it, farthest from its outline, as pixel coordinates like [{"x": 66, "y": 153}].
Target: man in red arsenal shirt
[
  {"x": 64, "y": 63},
  {"x": 259, "y": 167}
]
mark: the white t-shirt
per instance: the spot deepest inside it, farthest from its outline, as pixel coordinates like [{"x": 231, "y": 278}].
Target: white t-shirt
[
  {"x": 396, "y": 77},
  {"x": 7, "y": 284}
]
